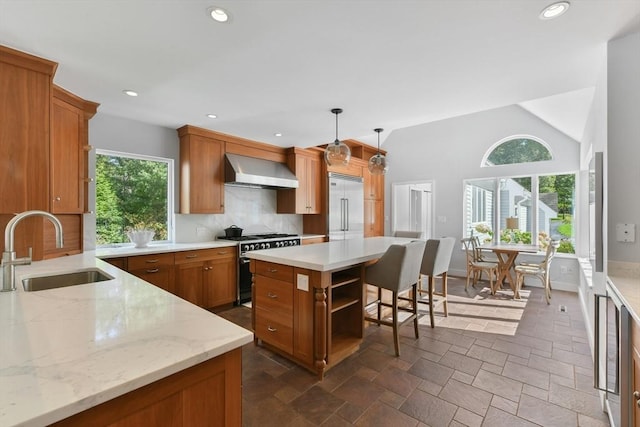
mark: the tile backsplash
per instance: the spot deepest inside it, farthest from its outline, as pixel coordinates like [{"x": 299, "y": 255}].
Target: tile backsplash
[{"x": 252, "y": 209}]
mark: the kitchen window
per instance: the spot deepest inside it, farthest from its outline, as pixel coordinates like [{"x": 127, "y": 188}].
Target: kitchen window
[
  {"x": 132, "y": 192},
  {"x": 539, "y": 207}
]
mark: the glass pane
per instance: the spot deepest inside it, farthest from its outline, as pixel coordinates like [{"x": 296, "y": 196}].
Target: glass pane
[
  {"x": 519, "y": 150},
  {"x": 556, "y": 210},
  {"x": 131, "y": 193},
  {"x": 479, "y": 208},
  {"x": 516, "y": 210}
]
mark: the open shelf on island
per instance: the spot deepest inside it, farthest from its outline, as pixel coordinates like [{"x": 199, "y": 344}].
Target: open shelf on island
[
  {"x": 342, "y": 302},
  {"x": 342, "y": 279}
]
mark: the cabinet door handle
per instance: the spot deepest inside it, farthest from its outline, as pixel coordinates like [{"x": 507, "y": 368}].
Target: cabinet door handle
[
  {"x": 152, "y": 261},
  {"x": 271, "y": 329},
  {"x": 191, "y": 256},
  {"x": 153, "y": 270},
  {"x": 272, "y": 270},
  {"x": 58, "y": 199},
  {"x": 222, "y": 252},
  {"x": 273, "y": 296},
  {"x": 636, "y": 395}
]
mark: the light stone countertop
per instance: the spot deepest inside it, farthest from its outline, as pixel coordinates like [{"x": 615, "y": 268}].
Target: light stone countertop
[
  {"x": 329, "y": 256},
  {"x": 68, "y": 349},
  {"x": 157, "y": 248},
  {"x": 625, "y": 279}
]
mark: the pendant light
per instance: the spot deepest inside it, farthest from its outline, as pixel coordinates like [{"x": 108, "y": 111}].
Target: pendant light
[
  {"x": 338, "y": 153},
  {"x": 378, "y": 163}
]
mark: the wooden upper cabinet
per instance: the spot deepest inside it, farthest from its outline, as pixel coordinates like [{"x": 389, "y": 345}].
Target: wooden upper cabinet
[
  {"x": 306, "y": 199},
  {"x": 201, "y": 173},
  {"x": 69, "y": 148},
  {"x": 25, "y": 98}
]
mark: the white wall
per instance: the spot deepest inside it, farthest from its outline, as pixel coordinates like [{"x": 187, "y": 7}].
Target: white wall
[
  {"x": 451, "y": 150},
  {"x": 623, "y": 145}
]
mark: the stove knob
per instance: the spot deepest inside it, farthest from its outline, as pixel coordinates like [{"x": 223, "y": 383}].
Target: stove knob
[
  {"x": 251, "y": 247},
  {"x": 267, "y": 245}
]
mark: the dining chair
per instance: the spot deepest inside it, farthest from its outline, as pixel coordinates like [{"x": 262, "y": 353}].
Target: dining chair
[
  {"x": 541, "y": 271},
  {"x": 480, "y": 254},
  {"x": 409, "y": 234},
  {"x": 435, "y": 262},
  {"x": 398, "y": 271},
  {"x": 476, "y": 268}
]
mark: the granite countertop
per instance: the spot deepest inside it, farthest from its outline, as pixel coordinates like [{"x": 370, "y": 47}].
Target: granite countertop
[
  {"x": 68, "y": 349},
  {"x": 329, "y": 256},
  {"x": 625, "y": 279}
]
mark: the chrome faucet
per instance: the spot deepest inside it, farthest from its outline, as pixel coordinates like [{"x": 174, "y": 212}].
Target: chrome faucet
[{"x": 9, "y": 261}]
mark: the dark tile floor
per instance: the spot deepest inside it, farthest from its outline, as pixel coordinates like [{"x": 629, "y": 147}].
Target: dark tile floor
[{"x": 493, "y": 362}]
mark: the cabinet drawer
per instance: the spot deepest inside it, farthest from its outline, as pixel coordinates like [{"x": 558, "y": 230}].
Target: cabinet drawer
[
  {"x": 271, "y": 329},
  {"x": 149, "y": 261},
  {"x": 275, "y": 271},
  {"x": 272, "y": 294},
  {"x": 205, "y": 254}
]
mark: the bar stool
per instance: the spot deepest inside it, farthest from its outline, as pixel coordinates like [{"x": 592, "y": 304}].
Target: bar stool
[
  {"x": 398, "y": 271},
  {"x": 435, "y": 262}
]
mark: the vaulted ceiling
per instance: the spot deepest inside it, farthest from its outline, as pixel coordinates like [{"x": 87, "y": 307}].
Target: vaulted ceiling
[{"x": 279, "y": 66}]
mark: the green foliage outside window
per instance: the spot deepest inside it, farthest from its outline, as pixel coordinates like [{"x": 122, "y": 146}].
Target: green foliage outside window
[
  {"x": 519, "y": 150},
  {"x": 131, "y": 193}
]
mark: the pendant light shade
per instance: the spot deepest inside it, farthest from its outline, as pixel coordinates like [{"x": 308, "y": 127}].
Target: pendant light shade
[
  {"x": 338, "y": 153},
  {"x": 378, "y": 163}
]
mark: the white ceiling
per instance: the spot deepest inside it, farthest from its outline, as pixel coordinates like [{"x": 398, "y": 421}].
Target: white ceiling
[{"x": 280, "y": 66}]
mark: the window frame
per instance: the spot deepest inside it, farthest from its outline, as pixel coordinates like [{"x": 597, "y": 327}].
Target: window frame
[{"x": 170, "y": 191}]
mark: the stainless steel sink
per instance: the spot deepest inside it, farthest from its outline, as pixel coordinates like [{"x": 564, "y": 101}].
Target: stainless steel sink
[{"x": 60, "y": 280}]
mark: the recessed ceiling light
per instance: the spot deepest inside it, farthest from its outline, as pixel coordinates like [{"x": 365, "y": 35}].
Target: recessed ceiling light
[
  {"x": 219, "y": 14},
  {"x": 554, "y": 10},
  {"x": 130, "y": 92},
  {"x": 277, "y": 134},
  {"x": 212, "y": 116}
]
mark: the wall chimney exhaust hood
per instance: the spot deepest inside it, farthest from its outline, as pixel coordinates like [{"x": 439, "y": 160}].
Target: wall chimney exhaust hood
[{"x": 257, "y": 173}]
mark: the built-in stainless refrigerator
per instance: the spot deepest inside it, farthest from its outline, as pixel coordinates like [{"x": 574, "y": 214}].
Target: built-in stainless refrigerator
[{"x": 346, "y": 207}]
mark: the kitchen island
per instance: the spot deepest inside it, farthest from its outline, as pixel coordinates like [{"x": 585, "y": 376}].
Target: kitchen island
[
  {"x": 308, "y": 302},
  {"x": 109, "y": 346}
]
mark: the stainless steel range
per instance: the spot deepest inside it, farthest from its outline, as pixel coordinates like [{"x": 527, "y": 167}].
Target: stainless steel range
[{"x": 256, "y": 242}]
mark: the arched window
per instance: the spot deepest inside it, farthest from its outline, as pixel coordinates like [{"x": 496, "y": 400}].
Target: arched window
[{"x": 517, "y": 149}]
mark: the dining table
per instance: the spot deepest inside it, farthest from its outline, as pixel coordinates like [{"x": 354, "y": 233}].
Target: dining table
[{"x": 506, "y": 254}]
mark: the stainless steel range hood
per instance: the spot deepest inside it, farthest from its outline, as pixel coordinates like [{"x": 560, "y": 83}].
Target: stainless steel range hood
[{"x": 258, "y": 173}]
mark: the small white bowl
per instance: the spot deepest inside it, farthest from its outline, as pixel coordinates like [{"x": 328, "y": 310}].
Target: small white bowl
[{"x": 141, "y": 238}]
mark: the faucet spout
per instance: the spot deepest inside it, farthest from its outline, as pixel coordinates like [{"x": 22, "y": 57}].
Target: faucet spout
[{"x": 9, "y": 261}]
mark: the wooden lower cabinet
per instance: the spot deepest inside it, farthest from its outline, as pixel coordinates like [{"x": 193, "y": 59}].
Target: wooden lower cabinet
[
  {"x": 313, "y": 318},
  {"x": 154, "y": 268},
  {"x": 207, "y": 277},
  {"x": 204, "y": 277},
  {"x": 207, "y": 395}
]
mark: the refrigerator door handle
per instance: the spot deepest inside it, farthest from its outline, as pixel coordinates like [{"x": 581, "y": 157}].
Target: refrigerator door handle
[
  {"x": 347, "y": 216},
  {"x": 342, "y": 214}
]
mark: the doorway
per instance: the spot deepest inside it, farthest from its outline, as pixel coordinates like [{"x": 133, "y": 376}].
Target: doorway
[{"x": 412, "y": 207}]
